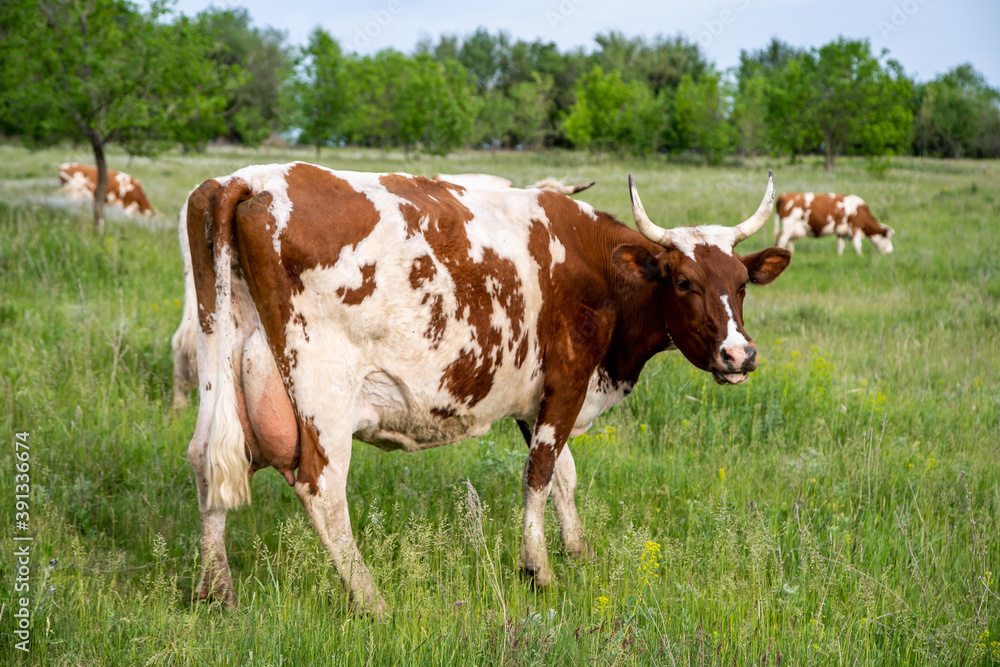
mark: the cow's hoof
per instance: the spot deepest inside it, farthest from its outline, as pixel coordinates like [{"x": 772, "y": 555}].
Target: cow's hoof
[
  {"x": 581, "y": 550},
  {"x": 225, "y": 596},
  {"x": 538, "y": 578},
  {"x": 375, "y": 609}
]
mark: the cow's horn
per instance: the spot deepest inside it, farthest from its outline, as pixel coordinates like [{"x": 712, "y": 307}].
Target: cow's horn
[
  {"x": 752, "y": 224},
  {"x": 654, "y": 233}
]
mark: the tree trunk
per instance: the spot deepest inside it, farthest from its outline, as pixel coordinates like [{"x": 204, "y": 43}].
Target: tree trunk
[
  {"x": 830, "y": 156},
  {"x": 318, "y": 146},
  {"x": 101, "y": 191}
]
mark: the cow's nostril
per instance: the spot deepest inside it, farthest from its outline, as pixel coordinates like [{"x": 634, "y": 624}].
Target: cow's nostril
[{"x": 751, "y": 355}]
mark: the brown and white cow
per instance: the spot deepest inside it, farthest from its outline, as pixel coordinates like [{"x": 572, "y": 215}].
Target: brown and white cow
[
  {"x": 410, "y": 313},
  {"x": 491, "y": 182},
  {"x": 183, "y": 341},
  {"x": 79, "y": 181},
  {"x": 848, "y": 216}
]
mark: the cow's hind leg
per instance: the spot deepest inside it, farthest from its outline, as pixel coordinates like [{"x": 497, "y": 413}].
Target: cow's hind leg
[
  {"x": 322, "y": 488},
  {"x": 185, "y": 340},
  {"x": 185, "y": 364},
  {"x": 563, "y": 490},
  {"x": 216, "y": 579}
]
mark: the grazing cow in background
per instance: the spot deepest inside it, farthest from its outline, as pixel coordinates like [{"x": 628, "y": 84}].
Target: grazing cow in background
[
  {"x": 410, "y": 313},
  {"x": 490, "y": 182},
  {"x": 847, "y": 216},
  {"x": 79, "y": 181}
]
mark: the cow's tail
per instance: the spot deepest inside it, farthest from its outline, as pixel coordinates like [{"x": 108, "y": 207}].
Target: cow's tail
[{"x": 227, "y": 464}]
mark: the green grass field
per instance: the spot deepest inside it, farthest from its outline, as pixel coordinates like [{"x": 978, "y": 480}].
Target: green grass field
[{"x": 842, "y": 507}]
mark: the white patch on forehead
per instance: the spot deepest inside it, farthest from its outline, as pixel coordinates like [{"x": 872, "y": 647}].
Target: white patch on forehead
[
  {"x": 270, "y": 178},
  {"x": 686, "y": 239},
  {"x": 733, "y": 337}
]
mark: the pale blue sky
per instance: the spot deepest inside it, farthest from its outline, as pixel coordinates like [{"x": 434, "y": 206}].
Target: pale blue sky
[{"x": 928, "y": 37}]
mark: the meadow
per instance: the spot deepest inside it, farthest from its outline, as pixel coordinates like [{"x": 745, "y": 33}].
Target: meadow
[{"x": 840, "y": 508}]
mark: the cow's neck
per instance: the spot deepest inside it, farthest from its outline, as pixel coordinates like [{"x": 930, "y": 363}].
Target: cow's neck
[{"x": 640, "y": 329}]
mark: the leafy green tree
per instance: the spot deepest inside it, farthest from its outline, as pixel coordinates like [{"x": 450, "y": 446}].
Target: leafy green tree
[
  {"x": 854, "y": 100},
  {"x": 257, "y": 107},
  {"x": 959, "y": 116},
  {"x": 322, "y": 91},
  {"x": 487, "y": 58},
  {"x": 405, "y": 101},
  {"x": 104, "y": 72},
  {"x": 612, "y": 115},
  {"x": 790, "y": 123},
  {"x": 768, "y": 61},
  {"x": 661, "y": 63},
  {"x": 565, "y": 69},
  {"x": 452, "y": 106},
  {"x": 494, "y": 125},
  {"x": 698, "y": 119},
  {"x": 532, "y": 101},
  {"x": 374, "y": 83},
  {"x": 749, "y": 115},
  {"x": 498, "y": 64},
  {"x": 758, "y": 80}
]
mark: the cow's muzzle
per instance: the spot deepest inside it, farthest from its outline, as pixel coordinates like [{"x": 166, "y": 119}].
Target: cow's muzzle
[{"x": 734, "y": 363}]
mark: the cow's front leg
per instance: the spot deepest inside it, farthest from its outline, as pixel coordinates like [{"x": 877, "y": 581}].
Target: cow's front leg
[
  {"x": 841, "y": 244},
  {"x": 563, "y": 489},
  {"x": 859, "y": 236},
  {"x": 785, "y": 238},
  {"x": 322, "y": 489},
  {"x": 536, "y": 484},
  {"x": 555, "y": 420}
]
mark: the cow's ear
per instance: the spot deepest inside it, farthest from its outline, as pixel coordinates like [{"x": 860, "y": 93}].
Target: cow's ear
[
  {"x": 636, "y": 263},
  {"x": 766, "y": 265}
]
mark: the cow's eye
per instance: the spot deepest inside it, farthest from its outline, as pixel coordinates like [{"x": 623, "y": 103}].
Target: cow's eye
[{"x": 684, "y": 285}]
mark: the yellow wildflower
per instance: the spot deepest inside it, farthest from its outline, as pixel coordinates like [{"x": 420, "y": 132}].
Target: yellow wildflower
[{"x": 649, "y": 563}]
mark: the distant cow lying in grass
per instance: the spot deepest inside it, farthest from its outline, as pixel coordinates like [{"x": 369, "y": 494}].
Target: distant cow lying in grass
[
  {"x": 847, "y": 216},
  {"x": 490, "y": 182},
  {"x": 79, "y": 181}
]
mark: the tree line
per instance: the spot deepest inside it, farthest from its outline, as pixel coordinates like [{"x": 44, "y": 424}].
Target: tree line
[{"x": 147, "y": 79}]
